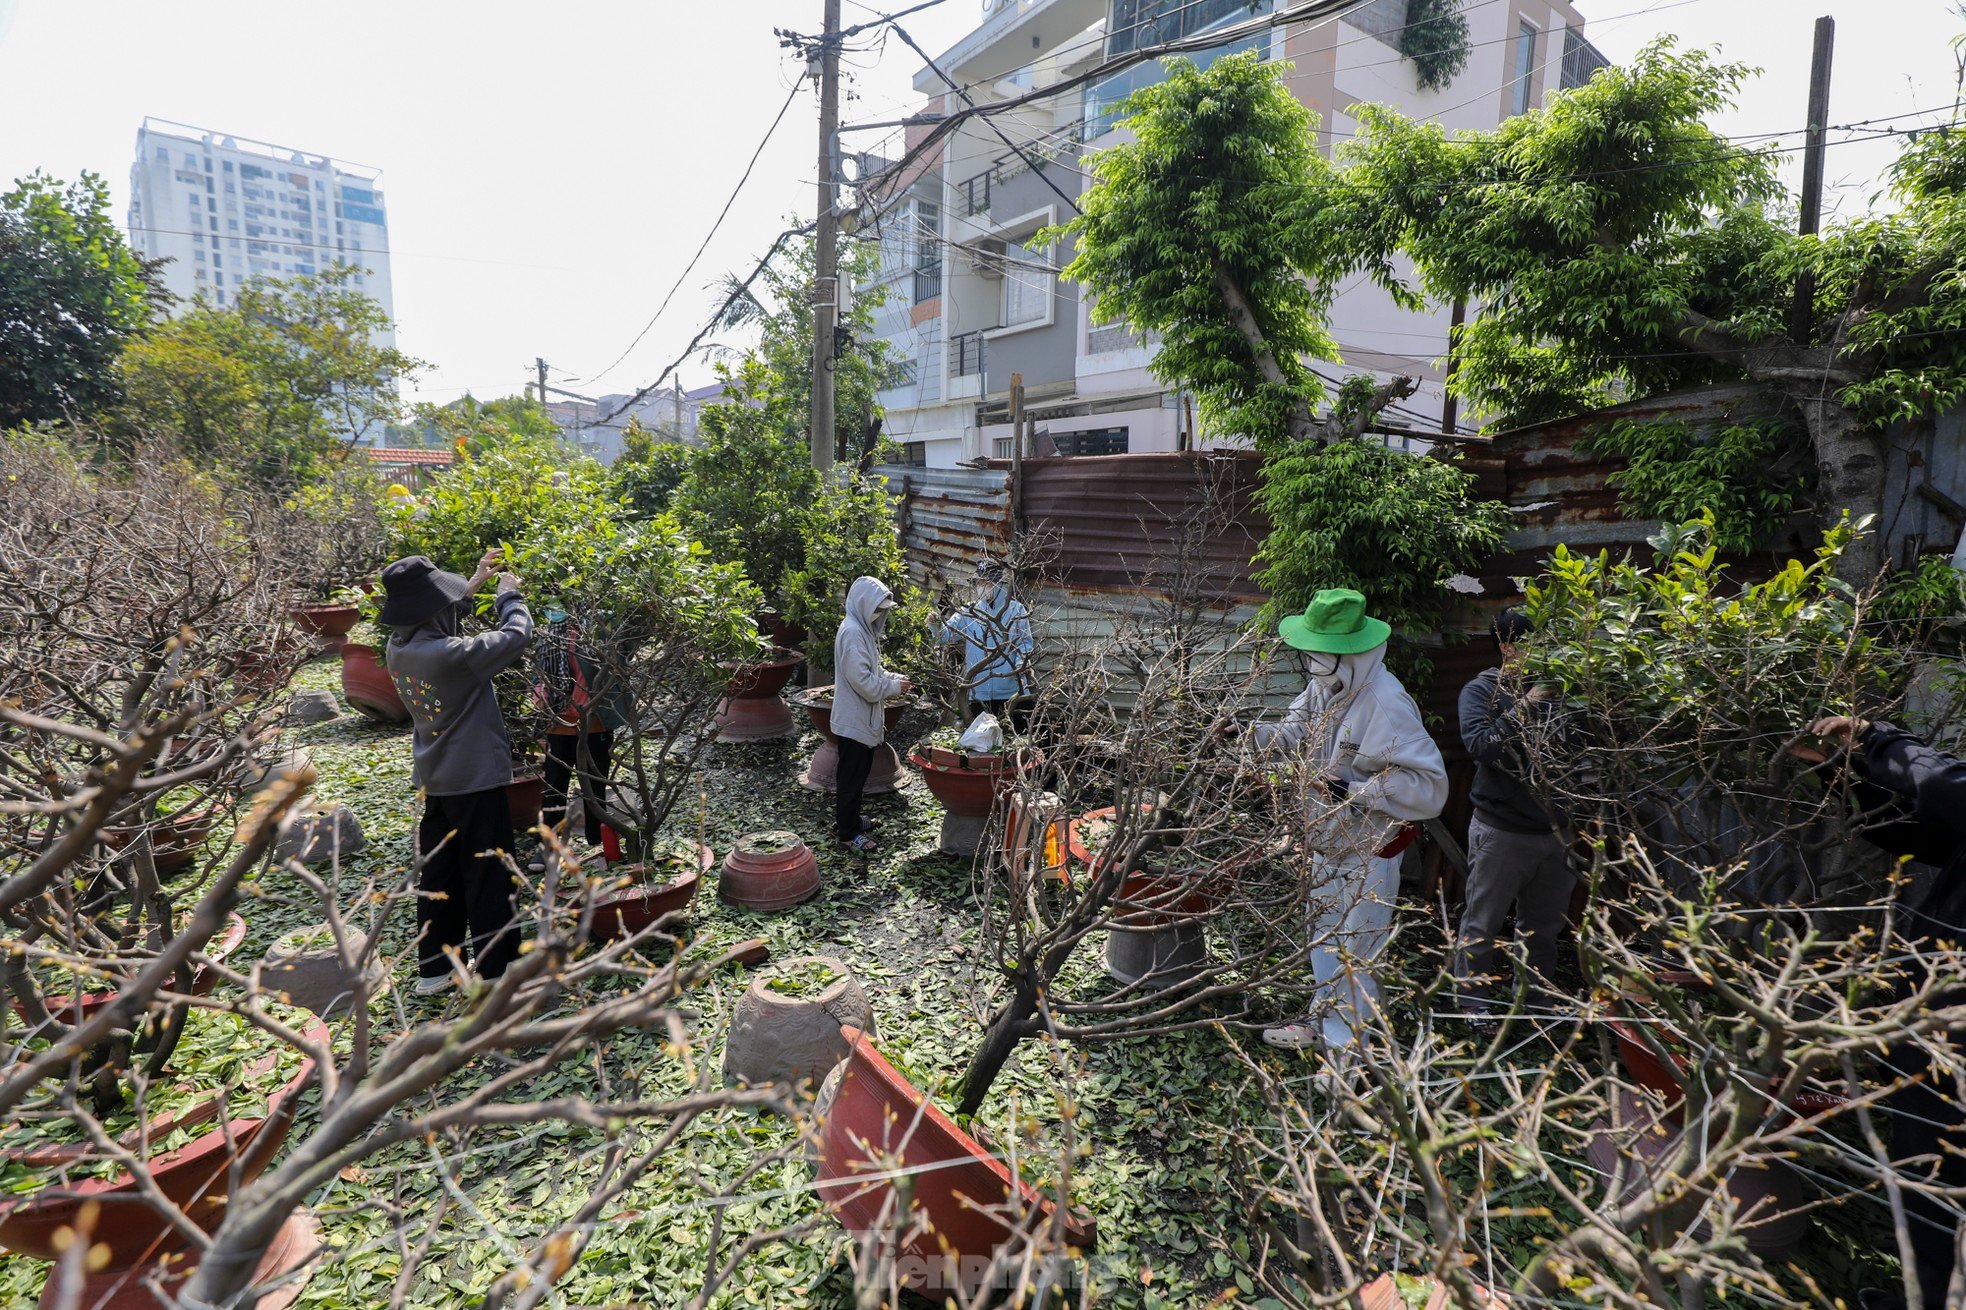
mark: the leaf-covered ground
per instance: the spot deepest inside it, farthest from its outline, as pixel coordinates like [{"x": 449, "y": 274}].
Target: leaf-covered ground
[{"x": 905, "y": 925}]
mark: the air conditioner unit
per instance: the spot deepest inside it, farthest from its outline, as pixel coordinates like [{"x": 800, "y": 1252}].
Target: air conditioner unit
[{"x": 985, "y": 262}]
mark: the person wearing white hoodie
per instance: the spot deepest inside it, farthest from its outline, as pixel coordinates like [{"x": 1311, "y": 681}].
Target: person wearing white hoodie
[
  {"x": 1378, "y": 774},
  {"x": 862, "y": 688}
]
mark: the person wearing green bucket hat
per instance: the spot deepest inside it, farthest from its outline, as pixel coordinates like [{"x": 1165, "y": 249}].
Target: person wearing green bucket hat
[{"x": 1376, "y": 775}]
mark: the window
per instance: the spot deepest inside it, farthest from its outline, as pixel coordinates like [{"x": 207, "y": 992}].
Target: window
[
  {"x": 163, "y": 155},
  {"x": 1525, "y": 65},
  {"x": 232, "y": 225},
  {"x": 199, "y": 255},
  {"x": 1106, "y": 441},
  {"x": 928, "y": 251},
  {"x": 914, "y": 454},
  {"x": 1026, "y": 288},
  {"x": 228, "y": 168}
]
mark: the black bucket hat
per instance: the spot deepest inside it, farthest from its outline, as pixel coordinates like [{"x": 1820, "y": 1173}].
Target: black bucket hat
[{"x": 416, "y": 591}]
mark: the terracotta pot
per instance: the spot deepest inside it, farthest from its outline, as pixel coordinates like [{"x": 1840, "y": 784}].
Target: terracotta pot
[
  {"x": 1383, "y": 1293},
  {"x": 330, "y": 623},
  {"x": 525, "y": 794},
  {"x": 822, "y": 772},
  {"x": 1037, "y": 828},
  {"x": 780, "y": 629},
  {"x": 198, "y": 1178},
  {"x": 174, "y": 839},
  {"x": 266, "y": 668},
  {"x": 967, "y": 785},
  {"x": 875, "y": 1122},
  {"x": 633, "y": 909},
  {"x": 1146, "y": 899},
  {"x": 795, "y": 1040},
  {"x": 74, "y": 1008},
  {"x": 751, "y": 709},
  {"x": 366, "y": 684},
  {"x": 769, "y": 871}
]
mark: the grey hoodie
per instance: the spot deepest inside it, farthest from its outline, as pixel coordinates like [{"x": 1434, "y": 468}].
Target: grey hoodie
[
  {"x": 446, "y": 682},
  {"x": 862, "y": 687}
]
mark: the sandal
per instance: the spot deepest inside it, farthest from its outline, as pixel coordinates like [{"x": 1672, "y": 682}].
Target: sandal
[{"x": 863, "y": 845}]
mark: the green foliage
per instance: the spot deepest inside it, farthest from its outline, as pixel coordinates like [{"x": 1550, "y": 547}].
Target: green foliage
[
  {"x": 271, "y": 386},
  {"x": 849, "y": 532},
  {"x": 476, "y": 427},
  {"x": 750, "y": 486},
  {"x": 1673, "y": 649},
  {"x": 1748, "y": 474},
  {"x": 1222, "y": 228},
  {"x": 1393, "y": 525},
  {"x": 72, "y": 294},
  {"x": 333, "y": 531},
  {"x": 1933, "y": 590},
  {"x": 524, "y": 490},
  {"x": 1435, "y": 38},
  {"x": 649, "y": 470}
]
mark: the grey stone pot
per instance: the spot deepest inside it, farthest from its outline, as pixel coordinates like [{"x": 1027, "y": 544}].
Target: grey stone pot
[
  {"x": 311, "y": 974},
  {"x": 961, "y": 834},
  {"x": 1158, "y": 958},
  {"x": 318, "y": 837},
  {"x": 793, "y": 1039},
  {"x": 314, "y": 707},
  {"x": 261, "y": 769}
]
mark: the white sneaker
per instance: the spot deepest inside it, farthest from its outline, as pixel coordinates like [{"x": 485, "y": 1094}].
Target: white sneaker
[
  {"x": 435, "y": 986},
  {"x": 1299, "y": 1036}
]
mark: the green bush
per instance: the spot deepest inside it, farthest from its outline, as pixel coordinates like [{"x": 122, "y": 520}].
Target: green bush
[
  {"x": 1750, "y": 474},
  {"x": 528, "y": 489},
  {"x": 849, "y": 532}
]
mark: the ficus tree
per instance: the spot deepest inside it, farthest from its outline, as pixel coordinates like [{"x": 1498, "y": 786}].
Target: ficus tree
[{"x": 1618, "y": 245}]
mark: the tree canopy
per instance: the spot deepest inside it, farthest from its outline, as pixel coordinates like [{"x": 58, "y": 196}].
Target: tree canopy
[{"x": 72, "y": 295}]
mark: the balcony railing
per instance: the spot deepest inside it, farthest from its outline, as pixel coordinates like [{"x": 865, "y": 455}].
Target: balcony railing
[
  {"x": 968, "y": 351},
  {"x": 928, "y": 283},
  {"x": 976, "y": 194}
]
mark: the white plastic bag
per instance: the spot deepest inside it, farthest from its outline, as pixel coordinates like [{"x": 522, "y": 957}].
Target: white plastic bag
[{"x": 984, "y": 735}]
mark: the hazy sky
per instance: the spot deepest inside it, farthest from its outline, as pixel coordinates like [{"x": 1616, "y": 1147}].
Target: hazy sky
[{"x": 551, "y": 168}]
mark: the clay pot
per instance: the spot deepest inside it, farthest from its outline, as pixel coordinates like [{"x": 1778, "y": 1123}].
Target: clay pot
[
  {"x": 198, "y": 1178},
  {"x": 796, "y": 1040},
  {"x": 80, "y": 1008},
  {"x": 635, "y": 908},
  {"x": 311, "y": 974},
  {"x": 330, "y": 623},
  {"x": 1146, "y": 899},
  {"x": 1382, "y": 1293},
  {"x": 1036, "y": 828},
  {"x": 874, "y": 1123},
  {"x": 175, "y": 839},
  {"x": 265, "y": 668},
  {"x": 781, "y": 630},
  {"x": 769, "y": 871},
  {"x": 751, "y": 709},
  {"x": 967, "y": 785},
  {"x": 525, "y": 794},
  {"x": 822, "y": 772},
  {"x": 1649, "y": 1136},
  {"x": 366, "y": 684}
]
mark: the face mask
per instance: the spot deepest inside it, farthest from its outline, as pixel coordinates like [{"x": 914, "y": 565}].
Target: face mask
[{"x": 1324, "y": 670}]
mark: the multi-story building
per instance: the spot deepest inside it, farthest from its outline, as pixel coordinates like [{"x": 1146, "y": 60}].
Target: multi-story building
[
  {"x": 224, "y": 210},
  {"x": 597, "y": 427},
  {"x": 967, "y": 303}
]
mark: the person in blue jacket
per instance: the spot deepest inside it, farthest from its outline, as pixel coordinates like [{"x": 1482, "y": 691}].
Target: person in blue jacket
[{"x": 995, "y": 629}]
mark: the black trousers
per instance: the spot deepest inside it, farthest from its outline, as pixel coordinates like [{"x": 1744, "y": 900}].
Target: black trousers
[
  {"x": 468, "y": 892},
  {"x": 856, "y": 761},
  {"x": 562, "y": 761},
  {"x": 1928, "y": 1121}
]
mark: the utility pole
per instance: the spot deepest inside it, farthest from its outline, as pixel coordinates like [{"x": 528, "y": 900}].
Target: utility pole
[
  {"x": 1802, "y": 321},
  {"x": 826, "y": 274},
  {"x": 677, "y": 382},
  {"x": 1450, "y": 408},
  {"x": 540, "y": 364}
]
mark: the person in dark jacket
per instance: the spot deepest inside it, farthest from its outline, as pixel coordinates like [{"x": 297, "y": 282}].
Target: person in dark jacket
[
  {"x": 462, "y": 761},
  {"x": 1516, "y": 859},
  {"x": 581, "y": 684},
  {"x": 1914, "y": 801}
]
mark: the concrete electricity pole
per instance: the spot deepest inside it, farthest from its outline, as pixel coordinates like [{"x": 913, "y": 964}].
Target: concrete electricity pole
[
  {"x": 1802, "y": 320},
  {"x": 826, "y": 276},
  {"x": 540, "y": 364}
]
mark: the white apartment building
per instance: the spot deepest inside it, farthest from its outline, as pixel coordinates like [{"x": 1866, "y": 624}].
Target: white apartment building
[
  {"x": 967, "y": 303},
  {"x": 224, "y": 210},
  {"x": 598, "y": 426}
]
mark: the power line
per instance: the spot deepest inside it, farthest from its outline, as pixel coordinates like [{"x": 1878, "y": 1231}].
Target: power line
[{"x": 715, "y": 227}]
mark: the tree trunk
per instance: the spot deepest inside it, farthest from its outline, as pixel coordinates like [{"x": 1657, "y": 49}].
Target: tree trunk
[
  {"x": 1242, "y": 312},
  {"x": 1849, "y": 476},
  {"x": 1005, "y": 1031}
]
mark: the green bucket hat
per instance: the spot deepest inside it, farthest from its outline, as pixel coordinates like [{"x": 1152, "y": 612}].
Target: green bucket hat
[{"x": 1335, "y": 623}]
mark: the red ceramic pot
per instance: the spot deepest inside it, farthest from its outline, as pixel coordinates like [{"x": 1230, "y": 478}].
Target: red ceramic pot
[
  {"x": 822, "y": 772},
  {"x": 874, "y": 1123},
  {"x": 751, "y": 709},
  {"x": 780, "y": 629},
  {"x": 267, "y": 668},
  {"x": 1145, "y": 899},
  {"x": 366, "y": 684},
  {"x": 198, "y": 1179},
  {"x": 73, "y": 1009},
  {"x": 174, "y": 839},
  {"x": 525, "y": 794},
  {"x": 633, "y": 909},
  {"x": 330, "y": 623},
  {"x": 769, "y": 871},
  {"x": 968, "y": 786},
  {"x": 1667, "y": 1078},
  {"x": 1037, "y": 827}
]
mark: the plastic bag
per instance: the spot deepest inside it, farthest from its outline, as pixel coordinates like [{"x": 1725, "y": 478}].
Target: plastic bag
[{"x": 984, "y": 735}]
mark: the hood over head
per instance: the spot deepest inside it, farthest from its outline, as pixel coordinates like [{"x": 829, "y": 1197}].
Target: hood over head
[
  {"x": 1352, "y": 672},
  {"x": 867, "y": 603}
]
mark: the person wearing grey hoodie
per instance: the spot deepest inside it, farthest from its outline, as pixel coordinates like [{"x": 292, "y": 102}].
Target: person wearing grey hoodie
[
  {"x": 461, "y": 759},
  {"x": 861, "y": 691}
]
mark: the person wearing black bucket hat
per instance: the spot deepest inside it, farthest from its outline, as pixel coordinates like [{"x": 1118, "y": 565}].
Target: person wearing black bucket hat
[{"x": 462, "y": 761}]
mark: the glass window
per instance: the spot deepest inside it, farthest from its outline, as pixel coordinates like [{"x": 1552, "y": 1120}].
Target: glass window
[
  {"x": 163, "y": 155},
  {"x": 1026, "y": 290},
  {"x": 228, "y": 166},
  {"x": 1525, "y": 65}
]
